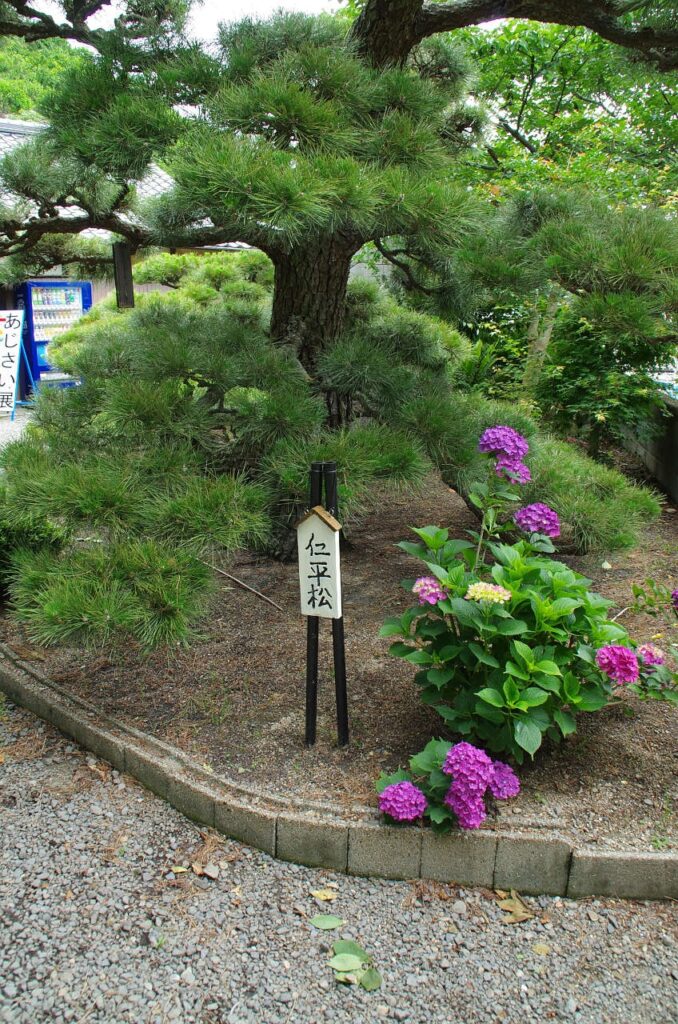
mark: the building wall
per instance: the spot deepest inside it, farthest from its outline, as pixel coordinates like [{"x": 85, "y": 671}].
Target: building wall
[{"x": 660, "y": 453}]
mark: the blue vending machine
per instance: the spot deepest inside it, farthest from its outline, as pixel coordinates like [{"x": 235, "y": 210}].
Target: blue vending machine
[{"x": 51, "y": 307}]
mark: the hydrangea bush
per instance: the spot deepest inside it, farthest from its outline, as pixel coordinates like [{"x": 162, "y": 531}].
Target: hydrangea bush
[
  {"x": 446, "y": 783},
  {"x": 510, "y": 644}
]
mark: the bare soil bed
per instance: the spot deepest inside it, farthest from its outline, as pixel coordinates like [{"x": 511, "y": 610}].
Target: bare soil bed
[{"x": 235, "y": 699}]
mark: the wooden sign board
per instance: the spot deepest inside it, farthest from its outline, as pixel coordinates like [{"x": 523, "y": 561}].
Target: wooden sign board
[
  {"x": 319, "y": 565},
  {"x": 11, "y": 326}
]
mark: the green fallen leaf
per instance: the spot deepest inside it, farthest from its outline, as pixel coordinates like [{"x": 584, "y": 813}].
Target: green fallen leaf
[
  {"x": 345, "y": 962},
  {"x": 346, "y": 979},
  {"x": 326, "y": 922},
  {"x": 370, "y": 979},
  {"x": 350, "y": 948}
]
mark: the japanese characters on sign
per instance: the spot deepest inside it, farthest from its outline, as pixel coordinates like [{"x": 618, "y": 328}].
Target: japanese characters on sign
[
  {"x": 11, "y": 324},
  {"x": 319, "y": 567}
]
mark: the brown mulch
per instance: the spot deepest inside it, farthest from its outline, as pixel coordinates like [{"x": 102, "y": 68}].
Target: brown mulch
[{"x": 235, "y": 699}]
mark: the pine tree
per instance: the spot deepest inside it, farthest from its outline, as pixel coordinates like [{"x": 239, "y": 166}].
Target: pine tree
[
  {"x": 201, "y": 410},
  {"x": 306, "y": 137}
]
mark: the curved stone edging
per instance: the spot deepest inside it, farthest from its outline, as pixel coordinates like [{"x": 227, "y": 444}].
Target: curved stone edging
[{"x": 320, "y": 835}]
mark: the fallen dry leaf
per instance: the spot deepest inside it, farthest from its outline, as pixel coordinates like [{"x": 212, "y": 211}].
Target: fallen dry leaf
[
  {"x": 324, "y": 895},
  {"x": 541, "y": 949},
  {"x": 518, "y": 911}
]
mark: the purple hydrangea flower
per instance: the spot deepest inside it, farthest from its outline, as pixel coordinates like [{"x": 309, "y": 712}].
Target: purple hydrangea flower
[
  {"x": 428, "y": 590},
  {"x": 504, "y": 441},
  {"x": 674, "y": 599},
  {"x": 512, "y": 469},
  {"x": 468, "y": 806},
  {"x": 470, "y": 766},
  {"x": 402, "y": 801},
  {"x": 619, "y": 663},
  {"x": 504, "y": 782},
  {"x": 651, "y": 655},
  {"x": 538, "y": 518}
]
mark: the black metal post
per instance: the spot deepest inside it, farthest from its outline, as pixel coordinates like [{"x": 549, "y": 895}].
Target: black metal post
[
  {"x": 312, "y": 626},
  {"x": 331, "y": 498},
  {"x": 122, "y": 272},
  {"x": 339, "y": 651},
  {"x": 338, "y": 644}
]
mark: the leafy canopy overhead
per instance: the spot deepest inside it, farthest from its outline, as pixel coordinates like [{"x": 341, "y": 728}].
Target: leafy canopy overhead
[
  {"x": 565, "y": 109},
  {"x": 372, "y": 119}
]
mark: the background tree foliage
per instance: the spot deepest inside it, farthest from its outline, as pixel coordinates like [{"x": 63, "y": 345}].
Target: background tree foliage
[
  {"x": 28, "y": 71},
  {"x": 566, "y": 110}
]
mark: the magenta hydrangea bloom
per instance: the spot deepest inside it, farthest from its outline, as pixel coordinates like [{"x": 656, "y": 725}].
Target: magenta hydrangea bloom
[
  {"x": 470, "y": 767},
  {"x": 468, "y": 806},
  {"x": 619, "y": 663},
  {"x": 504, "y": 782},
  {"x": 504, "y": 441},
  {"x": 428, "y": 590},
  {"x": 674, "y": 599},
  {"x": 513, "y": 470},
  {"x": 538, "y": 518},
  {"x": 651, "y": 655},
  {"x": 402, "y": 801}
]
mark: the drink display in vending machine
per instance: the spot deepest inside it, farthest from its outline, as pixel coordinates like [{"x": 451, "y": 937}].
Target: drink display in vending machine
[{"x": 51, "y": 307}]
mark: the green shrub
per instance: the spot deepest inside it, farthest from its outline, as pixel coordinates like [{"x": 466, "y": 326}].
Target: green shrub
[
  {"x": 141, "y": 589},
  {"x": 507, "y": 640},
  {"x": 226, "y": 512},
  {"x": 599, "y": 508},
  {"x": 24, "y": 531}
]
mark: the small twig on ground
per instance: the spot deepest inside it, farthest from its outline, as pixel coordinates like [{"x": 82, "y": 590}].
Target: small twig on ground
[
  {"x": 618, "y": 615},
  {"x": 244, "y": 585}
]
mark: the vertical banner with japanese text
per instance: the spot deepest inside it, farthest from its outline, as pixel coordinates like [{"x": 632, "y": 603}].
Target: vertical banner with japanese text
[{"x": 11, "y": 326}]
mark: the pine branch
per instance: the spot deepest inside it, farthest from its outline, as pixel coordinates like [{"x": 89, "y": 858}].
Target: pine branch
[
  {"x": 390, "y": 255},
  {"x": 387, "y": 30},
  {"x": 602, "y": 17},
  {"x": 34, "y": 25}
]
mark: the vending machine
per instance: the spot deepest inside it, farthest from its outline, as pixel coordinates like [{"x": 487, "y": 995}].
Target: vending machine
[{"x": 51, "y": 307}]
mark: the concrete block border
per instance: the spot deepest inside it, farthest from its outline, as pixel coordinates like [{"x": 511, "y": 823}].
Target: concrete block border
[{"x": 321, "y": 835}]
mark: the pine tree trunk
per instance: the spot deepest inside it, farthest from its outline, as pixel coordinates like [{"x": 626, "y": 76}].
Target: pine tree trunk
[
  {"x": 385, "y": 31},
  {"x": 538, "y": 338},
  {"x": 309, "y": 297}
]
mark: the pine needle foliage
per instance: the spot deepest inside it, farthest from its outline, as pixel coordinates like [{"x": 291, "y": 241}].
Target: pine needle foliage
[{"x": 192, "y": 432}]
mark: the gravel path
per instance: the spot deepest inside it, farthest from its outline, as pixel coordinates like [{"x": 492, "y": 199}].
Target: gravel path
[
  {"x": 95, "y": 927},
  {"x": 12, "y": 429}
]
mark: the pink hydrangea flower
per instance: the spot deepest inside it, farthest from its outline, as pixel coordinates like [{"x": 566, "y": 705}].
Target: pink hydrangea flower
[
  {"x": 428, "y": 590},
  {"x": 619, "y": 663},
  {"x": 402, "y": 801},
  {"x": 504, "y": 782},
  {"x": 538, "y": 518},
  {"x": 470, "y": 766},
  {"x": 651, "y": 655},
  {"x": 468, "y": 806}
]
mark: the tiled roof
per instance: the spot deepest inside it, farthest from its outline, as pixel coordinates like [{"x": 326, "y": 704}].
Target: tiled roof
[
  {"x": 154, "y": 183},
  {"x": 14, "y": 133}
]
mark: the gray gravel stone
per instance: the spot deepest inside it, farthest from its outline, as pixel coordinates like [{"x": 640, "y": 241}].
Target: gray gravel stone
[{"x": 95, "y": 927}]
